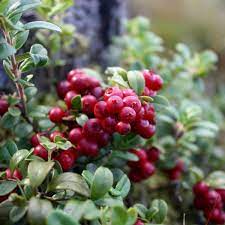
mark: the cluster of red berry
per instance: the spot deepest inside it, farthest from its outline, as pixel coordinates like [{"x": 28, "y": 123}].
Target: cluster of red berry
[
  {"x": 3, "y": 106},
  {"x": 175, "y": 173},
  {"x": 144, "y": 167},
  {"x": 211, "y": 201},
  {"x": 110, "y": 110},
  {"x": 139, "y": 222}
]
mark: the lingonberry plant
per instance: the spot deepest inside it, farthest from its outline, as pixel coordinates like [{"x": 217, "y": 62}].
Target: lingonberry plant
[{"x": 55, "y": 159}]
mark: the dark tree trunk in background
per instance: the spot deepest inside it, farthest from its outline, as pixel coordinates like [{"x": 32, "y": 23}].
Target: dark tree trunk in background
[{"x": 98, "y": 21}]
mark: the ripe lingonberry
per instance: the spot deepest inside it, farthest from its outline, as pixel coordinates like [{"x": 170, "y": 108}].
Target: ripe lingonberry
[
  {"x": 54, "y": 134},
  {"x": 135, "y": 175},
  {"x": 109, "y": 124},
  {"x": 213, "y": 199},
  {"x": 147, "y": 170},
  {"x": 68, "y": 98},
  {"x": 139, "y": 222},
  {"x": 16, "y": 174},
  {"x": 140, "y": 115},
  {"x": 145, "y": 129},
  {"x": 79, "y": 83},
  {"x": 153, "y": 81},
  {"x": 100, "y": 109},
  {"x": 149, "y": 112},
  {"x": 215, "y": 215},
  {"x": 75, "y": 135},
  {"x": 128, "y": 92},
  {"x": 123, "y": 128},
  {"x": 222, "y": 193},
  {"x": 103, "y": 139},
  {"x": 92, "y": 128},
  {"x": 67, "y": 158},
  {"x": 127, "y": 115},
  {"x": 93, "y": 82},
  {"x": 142, "y": 158},
  {"x": 63, "y": 87},
  {"x": 56, "y": 114},
  {"x": 75, "y": 72},
  {"x": 88, "y": 104},
  {"x": 40, "y": 151},
  {"x": 112, "y": 91},
  {"x": 114, "y": 104},
  {"x": 88, "y": 147},
  {"x": 35, "y": 139},
  {"x": 200, "y": 188},
  {"x": 153, "y": 154},
  {"x": 133, "y": 102},
  {"x": 98, "y": 92},
  {"x": 3, "y": 106},
  {"x": 174, "y": 175}
]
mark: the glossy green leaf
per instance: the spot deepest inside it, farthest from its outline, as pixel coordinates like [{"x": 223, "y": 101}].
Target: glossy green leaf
[
  {"x": 23, "y": 129},
  {"x": 136, "y": 81},
  {"x": 81, "y": 119},
  {"x": 8, "y": 121},
  {"x": 7, "y": 150},
  {"x": 41, "y": 25},
  {"x": 20, "y": 39},
  {"x": 216, "y": 179},
  {"x": 119, "y": 216},
  {"x": 17, "y": 158},
  {"x": 7, "y": 186},
  {"x": 76, "y": 103},
  {"x": 14, "y": 111},
  {"x": 6, "y": 50},
  {"x": 37, "y": 172},
  {"x": 102, "y": 182},
  {"x": 39, "y": 55},
  {"x": 70, "y": 181},
  {"x": 17, "y": 213},
  {"x": 162, "y": 208}
]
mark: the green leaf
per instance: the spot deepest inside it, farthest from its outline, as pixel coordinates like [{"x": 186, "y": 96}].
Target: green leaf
[
  {"x": 47, "y": 143},
  {"x": 62, "y": 143},
  {"x": 88, "y": 176},
  {"x": 162, "y": 208},
  {"x": 39, "y": 55},
  {"x": 118, "y": 79},
  {"x": 5, "y": 208},
  {"x": 102, "y": 182},
  {"x": 132, "y": 216},
  {"x": 124, "y": 155},
  {"x": 82, "y": 210},
  {"x": 8, "y": 121},
  {"x": 216, "y": 179},
  {"x": 20, "y": 39},
  {"x": 111, "y": 71},
  {"x": 82, "y": 119},
  {"x": 141, "y": 209},
  {"x": 160, "y": 100},
  {"x": 38, "y": 211},
  {"x": 8, "y": 150},
  {"x": 76, "y": 102},
  {"x": 70, "y": 181},
  {"x": 6, "y": 50},
  {"x": 136, "y": 81},
  {"x": 37, "y": 172},
  {"x": 119, "y": 216},
  {"x": 17, "y": 158},
  {"x": 59, "y": 217},
  {"x": 14, "y": 111},
  {"x": 8, "y": 69},
  {"x": 93, "y": 73},
  {"x": 151, "y": 213},
  {"x": 41, "y": 25},
  {"x": 17, "y": 213},
  {"x": 3, "y": 6},
  {"x": 7, "y": 186},
  {"x": 30, "y": 92},
  {"x": 23, "y": 129},
  {"x": 123, "y": 186}
]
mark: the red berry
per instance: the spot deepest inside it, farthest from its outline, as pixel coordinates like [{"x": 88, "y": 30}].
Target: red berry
[
  {"x": 109, "y": 124},
  {"x": 67, "y": 159},
  {"x": 153, "y": 154},
  {"x": 88, "y": 104},
  {"x": 3, "y": 106},
  {"x": 112, "y": 91},
  {"x": 123, "y": 128},
  {"x": 54, "y": 134},
  {"x": 114, "y": 104},
  {"x": 135, "y": 175},
  {"x": 128, "y": 92},
  {"x": 75, "y": 72},
  {"x": 100, "y": 109},
  {"x": 75, "y": 135},
  {"x": 213, "y": 199},
  {"x": 63, "y": 87},
  {"x": 140, "y": 115},
  {"x": 199, "y": 203},
  {"x": 216, "y": 216},
  {"x": 139, "y": 222},
  {"x": 200, "y": 188},
  {"x": 56, "y": 114},
  {"x": 98, "y": 92},
  {"x": 88, "y": 148},
  {"x": 145, "y": 129},
  {"x": 40, "y": 151},
  {"x": 127, "y": 115},
  {"x": 16, "y": 174},
  {"x": 174, "y": 174},
  {"x": 68, "y": 98},
  {"x": 149, "y": 113},
  {"x": 80, "y": 83},
  {"x": 153, "y": 81},
  {"x": 103, "y": 139},
  {"x": 93, "y": 82},
  {"x": 35, "y": 139},
  {"x": 146, "y": 92},
  {"x": 180, "y": 165},
  {"x": 92, "y": 128},
  {"x": 142, "y": 158},
  {"x": 133, "y": 102},
  {"x": 221, "y": 193},
  {"x": 147, "y": 169}
]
